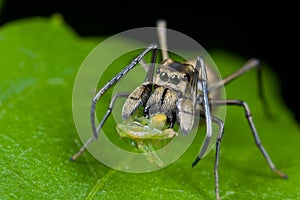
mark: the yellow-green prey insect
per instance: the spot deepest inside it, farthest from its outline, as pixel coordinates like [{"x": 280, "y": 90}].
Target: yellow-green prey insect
[
  {"x": 147, "y": 134},
  {"x": 171, "y": 97}
]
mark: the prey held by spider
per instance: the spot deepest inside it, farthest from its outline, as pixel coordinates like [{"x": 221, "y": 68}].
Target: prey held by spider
[{"x": 172, "y": 97}]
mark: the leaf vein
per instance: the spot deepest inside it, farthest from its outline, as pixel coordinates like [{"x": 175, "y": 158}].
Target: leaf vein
[{"x": 100, "y": 183}]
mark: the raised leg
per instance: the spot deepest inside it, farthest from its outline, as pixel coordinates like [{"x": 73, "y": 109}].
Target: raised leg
[
  {"x": 250, "y": 64},
  {"x": 134, "y": 62},
  {"x": 162, "y": 37},
  {"x": 115, "y": 79},
  {"x": 108, "y": 112},
  {"x": 253, "y": 129},
  {"x": 161, "y": 27}
]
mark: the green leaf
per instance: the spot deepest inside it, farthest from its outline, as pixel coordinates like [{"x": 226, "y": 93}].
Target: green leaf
[{"x": 39, "y": 61}]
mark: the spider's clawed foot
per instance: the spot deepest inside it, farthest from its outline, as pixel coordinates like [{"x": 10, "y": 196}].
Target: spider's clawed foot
[{"x": 280, "y": 173}]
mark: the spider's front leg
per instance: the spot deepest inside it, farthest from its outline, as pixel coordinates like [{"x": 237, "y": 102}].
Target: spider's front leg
[
  {"x": 107, "y": 114},
  {"x": 107, "y": 86},
  {"x": 200, "y": 67}
]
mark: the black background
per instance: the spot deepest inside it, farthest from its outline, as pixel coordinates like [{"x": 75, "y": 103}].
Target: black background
[{"x": 268, "y": 31}]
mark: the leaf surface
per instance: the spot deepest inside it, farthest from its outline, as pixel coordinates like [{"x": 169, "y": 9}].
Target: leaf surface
[{"x": 39, "y": 61}]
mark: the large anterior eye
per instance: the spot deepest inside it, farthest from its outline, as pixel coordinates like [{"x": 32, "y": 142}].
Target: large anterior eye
[
  {"x": 174, "y": 79},
  {"x": 164, "y": 76}
]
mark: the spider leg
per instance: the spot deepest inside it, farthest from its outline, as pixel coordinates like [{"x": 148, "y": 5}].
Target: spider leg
[
  {"x": 162, "y": 37},
  {"x": 108, "y": 112},
  {"x": 218, "y": 144},
  {"x": 134, "y": 62},
  {"x": 115, "y": 79},
  {"x": 253, "y": 63},
  {"x": 144, "y": 65},
  {"x": 250, "y": 64},
  {"x": 253, "y": 129},
  {"x": 217, "y": 155},
  {"x": 200, "y": 66},
  {"x": 206, "y": 106}
]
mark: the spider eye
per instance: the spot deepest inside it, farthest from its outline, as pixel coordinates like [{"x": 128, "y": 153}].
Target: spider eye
[
  {"x": 158, "y": 70},
  {"x": 164, "y": 76},
  {"x": 186, "y": 77},
  {"x": 174, "y": 79}
]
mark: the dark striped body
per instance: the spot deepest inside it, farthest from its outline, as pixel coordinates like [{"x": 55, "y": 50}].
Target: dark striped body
[
  {"x": 171, "y": 93},
  {"x": 162, "y": 100}
]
